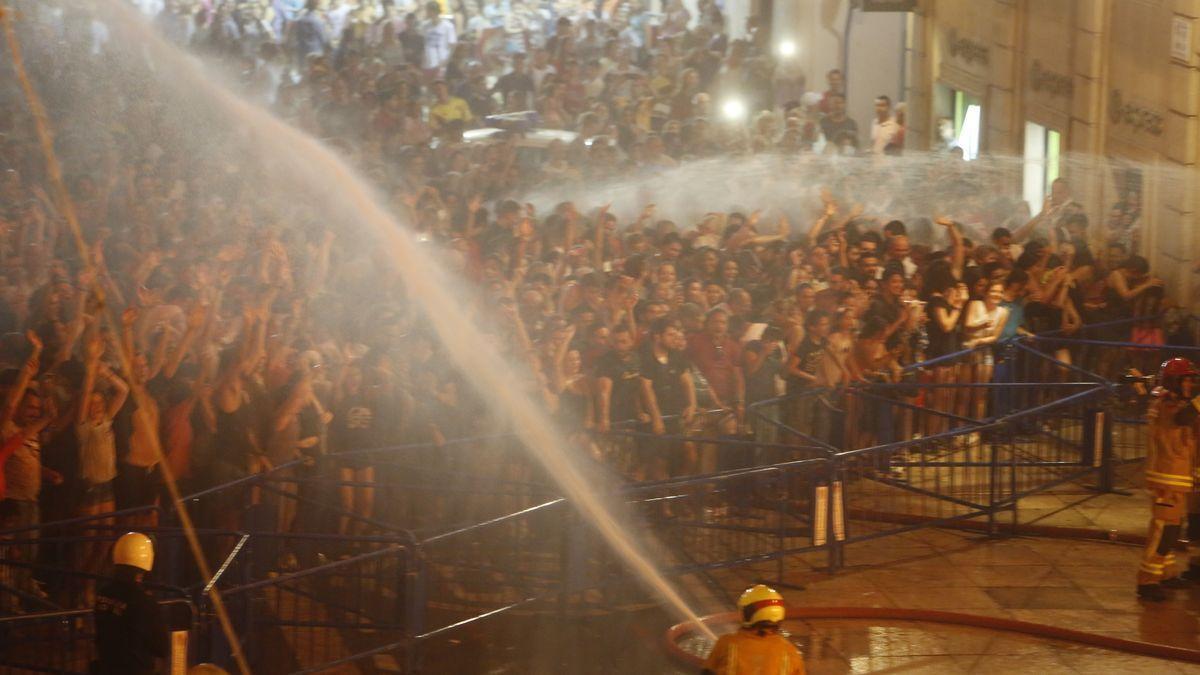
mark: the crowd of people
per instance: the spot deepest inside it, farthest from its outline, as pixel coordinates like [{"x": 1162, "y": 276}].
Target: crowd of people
[{"x": 259, "y": 332}]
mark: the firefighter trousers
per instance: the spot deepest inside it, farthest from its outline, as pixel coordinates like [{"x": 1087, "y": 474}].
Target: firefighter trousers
[{"x": 1166, "y": 521}]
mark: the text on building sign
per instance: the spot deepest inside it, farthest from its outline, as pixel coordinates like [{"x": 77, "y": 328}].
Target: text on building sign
[{"x": 1140, "y": 118}]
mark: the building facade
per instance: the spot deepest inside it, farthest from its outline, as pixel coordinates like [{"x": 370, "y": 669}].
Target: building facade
[{"x": 1104, "y": 93}]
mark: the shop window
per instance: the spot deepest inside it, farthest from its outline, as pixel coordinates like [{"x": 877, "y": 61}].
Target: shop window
[
  {"x": 1043, "y": 149},
  {"x": 967, "y": 119}
]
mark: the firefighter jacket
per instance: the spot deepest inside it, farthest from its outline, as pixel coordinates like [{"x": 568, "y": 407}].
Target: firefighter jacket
[
  {"x": 752, "y": 651},
  {"x": 130, "y": 630},
  {"x": 1171, "y": 462}
]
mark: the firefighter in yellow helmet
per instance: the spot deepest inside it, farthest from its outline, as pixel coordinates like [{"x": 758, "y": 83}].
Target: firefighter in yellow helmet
[
  {"x": 130, "y": 630},
  {"x": 758, "y": 648},
  {"x": 1171, "y": 421}
]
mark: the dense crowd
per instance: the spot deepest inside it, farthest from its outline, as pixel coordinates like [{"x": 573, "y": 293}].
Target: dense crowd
[{"x": 260, "y": 333}]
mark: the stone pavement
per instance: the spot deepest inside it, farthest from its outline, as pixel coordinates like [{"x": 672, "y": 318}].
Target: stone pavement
[{"x": 1079, "y": 505}]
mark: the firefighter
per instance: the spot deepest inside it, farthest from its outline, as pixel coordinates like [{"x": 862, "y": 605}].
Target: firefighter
[
  {"x": 130, "y": 629},
  {"x": 1169, "y": 467},
  {"x": 757, "y": 648}
]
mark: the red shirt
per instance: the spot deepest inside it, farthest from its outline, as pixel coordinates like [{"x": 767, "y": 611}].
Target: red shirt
[
  {"x": 717, "y": 362},
  {"x": 7, "y": 450}
]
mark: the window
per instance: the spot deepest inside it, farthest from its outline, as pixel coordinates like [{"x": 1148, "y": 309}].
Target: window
[
  {"x": 1042, "y": 156},
  {"x": 968, "y": 124}
]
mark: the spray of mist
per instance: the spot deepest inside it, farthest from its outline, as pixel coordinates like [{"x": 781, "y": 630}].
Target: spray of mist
[
  {"x": 310, "y": 166},
  {"x": 917, "y": 186}
]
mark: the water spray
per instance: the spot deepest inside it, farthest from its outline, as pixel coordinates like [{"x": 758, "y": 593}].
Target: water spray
[{"x": 309, "y": 162}]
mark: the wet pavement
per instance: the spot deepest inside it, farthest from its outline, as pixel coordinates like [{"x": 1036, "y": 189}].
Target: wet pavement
[
  {"x": 1086, "y": 586},
  {"x": 847, "y": 646},
  {"x": 1081, "y": 585},
  {"x": 1077, "y": 584}
]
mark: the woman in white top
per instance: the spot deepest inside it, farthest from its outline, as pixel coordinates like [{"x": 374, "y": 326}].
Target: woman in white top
[
  {"x": 97, "y": 448},
  {"x": 985, "y": 319}
]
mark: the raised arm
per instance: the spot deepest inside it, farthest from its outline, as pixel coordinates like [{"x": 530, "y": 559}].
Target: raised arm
[
  {"x": 128, "y": 320},
  {"x": 1023, "y": 232},
  {"x": 80, "y": 320},
  {"x": 120, "y": 391},
  {"x": 560, "y": 357},
  {"x": 828, "y": 213},
  {"x": 28, "y": 370},
  {"x": 958, "y": 251},
  {"x": 604, "y": 387}
]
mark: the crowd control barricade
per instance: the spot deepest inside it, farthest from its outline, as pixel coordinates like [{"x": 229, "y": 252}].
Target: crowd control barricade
[
  {"x": 318, "y": 617},
  {"x": 47, "y": 642},
  {"x": 466, "y": 533}
]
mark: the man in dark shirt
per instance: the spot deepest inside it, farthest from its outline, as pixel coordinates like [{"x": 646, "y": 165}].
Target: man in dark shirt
[
  {"x": 888, "y": 304},
  {"x": 515, "y": 80},
  {"x": 412, "y": 41},
  {"x": 804, "y": 368},
  {"x": 664, "y": 364},
  {"x": 502, "y": 235},
  {"x": 622, "y": 392},
  {"x": 805, "y": 372},
  {"x": 667, "y": 369},
  {"x": 836, "y": 124},
  {"x": 130, "y": 629}
]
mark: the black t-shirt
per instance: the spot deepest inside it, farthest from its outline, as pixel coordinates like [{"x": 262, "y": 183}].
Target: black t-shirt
[
  {"x": 414, "y": 45},
  {"x": 626, "y": 376},
  {"x": 665, "y": 380},
  {"x": 941, "y": 342},
  {"x": 510, "y": 82},
  {"x": 811, "y": 355},
  {"x": 355, "y": 425}
]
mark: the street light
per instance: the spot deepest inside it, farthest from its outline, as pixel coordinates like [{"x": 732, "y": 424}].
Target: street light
[
  {"x": 787, "y": 49},
  {"x": 734, "y": 110}
]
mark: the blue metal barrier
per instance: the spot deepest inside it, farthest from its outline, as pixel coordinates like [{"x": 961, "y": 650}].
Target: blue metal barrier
[{"x": 759, "y": 496}]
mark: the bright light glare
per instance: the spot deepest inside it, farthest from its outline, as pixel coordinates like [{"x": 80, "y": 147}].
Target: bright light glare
[
  {"x": 968, "y": 138},
  {"x": 787, "y": 48},
  {"x": 734, "y": 110}
]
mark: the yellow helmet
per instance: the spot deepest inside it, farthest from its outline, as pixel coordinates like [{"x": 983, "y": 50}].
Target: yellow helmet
[
  {"x": 134, "y": 549},
  {"x": 761, "y": 603}
]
